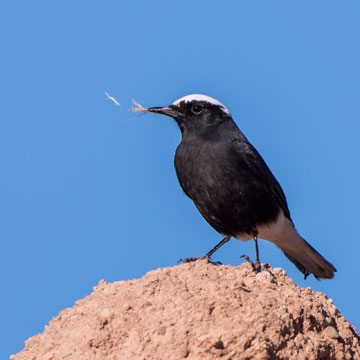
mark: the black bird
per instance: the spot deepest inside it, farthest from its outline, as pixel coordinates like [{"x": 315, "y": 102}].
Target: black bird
[{"x": 231, "y": 185}]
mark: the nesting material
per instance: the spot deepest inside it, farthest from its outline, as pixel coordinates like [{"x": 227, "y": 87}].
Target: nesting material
[
  {"x": 112, "y": 99},
  {"x": 138, "y": 108}
]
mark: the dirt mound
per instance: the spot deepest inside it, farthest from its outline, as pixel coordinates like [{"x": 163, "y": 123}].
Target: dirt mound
[{"x": 198, "y": 311}]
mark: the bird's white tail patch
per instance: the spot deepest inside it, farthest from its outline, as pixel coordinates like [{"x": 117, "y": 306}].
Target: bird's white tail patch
[{"x": 284, "y": 235}]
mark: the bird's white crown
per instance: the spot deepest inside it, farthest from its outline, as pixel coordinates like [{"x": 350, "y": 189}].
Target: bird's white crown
[{"x": 200, "y": 97}]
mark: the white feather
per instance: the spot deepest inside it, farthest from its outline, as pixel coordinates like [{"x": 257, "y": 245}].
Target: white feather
[{"x": 200, "y": 97}]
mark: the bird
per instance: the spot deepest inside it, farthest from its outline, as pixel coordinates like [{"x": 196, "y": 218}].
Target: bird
[{"x": 232, "y": 186}]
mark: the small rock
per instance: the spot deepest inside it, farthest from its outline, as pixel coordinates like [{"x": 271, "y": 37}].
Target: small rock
[
  {"x": 161, "y": 330},
  {"x": 331, "y": 332},
  {"x": 186, "y": 295},
  {"x": 279, "y": 271},
  {"x": 264, "y": 277}
]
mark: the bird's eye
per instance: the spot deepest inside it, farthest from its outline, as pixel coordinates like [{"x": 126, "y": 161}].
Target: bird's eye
[{"x": 196, "y": 109}]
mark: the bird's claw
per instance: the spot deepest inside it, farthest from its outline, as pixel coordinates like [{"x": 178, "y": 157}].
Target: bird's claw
[
  {"x": 187, "y": 260},
  {"x": 256, "y": 265},
  {"x": 205, "y": 257}
]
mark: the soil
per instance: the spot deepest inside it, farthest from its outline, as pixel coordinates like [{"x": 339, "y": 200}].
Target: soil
[{"x": 198, "y": 311}]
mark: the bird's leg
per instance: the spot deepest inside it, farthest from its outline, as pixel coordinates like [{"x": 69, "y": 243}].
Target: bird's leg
[
  {"x": 208, "y": 255},
  {"x": 257, "y": 260},
  {"x": 218, "y": 246},
  {"x": 255, "y": 265}
]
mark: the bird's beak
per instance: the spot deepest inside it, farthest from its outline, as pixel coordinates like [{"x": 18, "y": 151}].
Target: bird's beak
[{"x": 166, "y": 110}]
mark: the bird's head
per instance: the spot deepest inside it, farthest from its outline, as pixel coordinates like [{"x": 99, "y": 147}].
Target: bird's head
[{"x": 196, "y": 114}]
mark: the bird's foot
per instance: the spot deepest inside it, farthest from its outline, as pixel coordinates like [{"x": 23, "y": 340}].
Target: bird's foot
[
  {"x": 256, "y": 265},
  {"x": 205, "y": 257}
]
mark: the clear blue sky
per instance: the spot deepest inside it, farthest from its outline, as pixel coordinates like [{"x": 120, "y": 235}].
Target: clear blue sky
[{"x": 86, "y": 195}]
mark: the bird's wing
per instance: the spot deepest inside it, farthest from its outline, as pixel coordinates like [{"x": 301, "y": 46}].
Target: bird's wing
[{"x": 261, "y": 171}]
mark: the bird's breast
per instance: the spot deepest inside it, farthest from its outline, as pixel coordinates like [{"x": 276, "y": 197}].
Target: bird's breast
[
  {"x": 198, "y": 168},
  {"x": 224, "y": 189}
]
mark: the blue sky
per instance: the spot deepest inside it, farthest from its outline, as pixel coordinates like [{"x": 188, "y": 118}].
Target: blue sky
[{"x": 86, "y": 195}]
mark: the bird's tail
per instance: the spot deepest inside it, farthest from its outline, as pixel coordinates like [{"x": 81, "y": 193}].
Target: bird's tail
[
  {"x": 309, "y": 261},
  {"x": 284, "y": 235}
]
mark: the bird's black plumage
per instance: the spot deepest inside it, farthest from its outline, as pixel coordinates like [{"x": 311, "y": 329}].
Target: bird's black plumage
[{"x": 230, "y": 183}]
